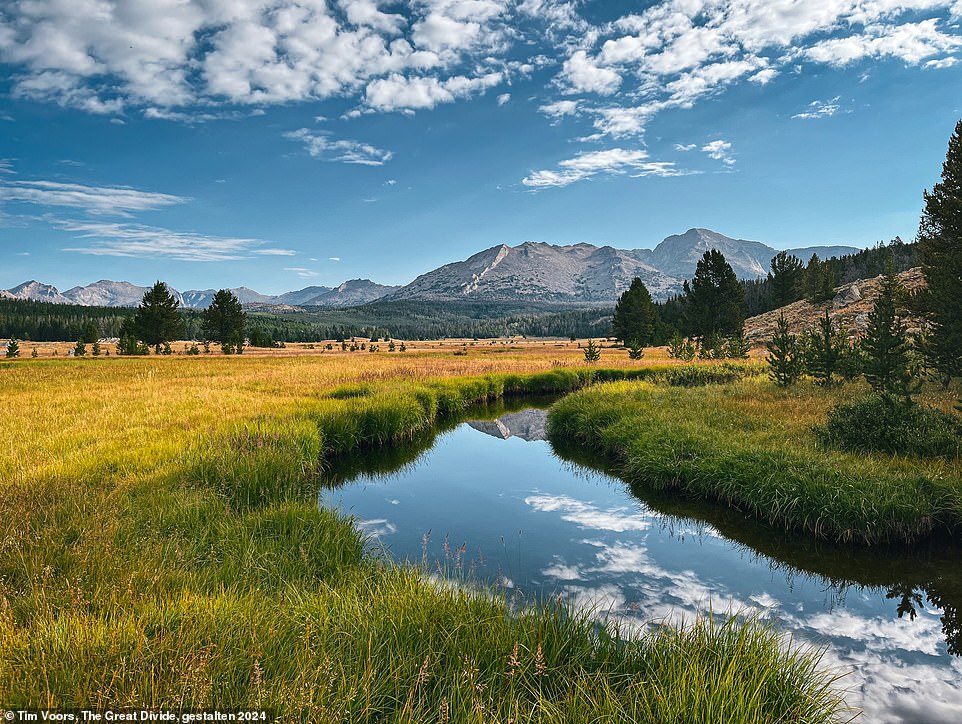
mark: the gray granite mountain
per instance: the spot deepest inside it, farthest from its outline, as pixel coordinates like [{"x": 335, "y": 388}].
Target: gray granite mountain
[
  {"x": 38, "y": 292},
  {"x": 301, "y": 296},
  {"x": 106, "y": 293},
  {"x": 201, "y": 298},
  {"x": 351, "y": 293},
  {"x": 539, "y": 272},
  {"x": 587, "y": 274}
]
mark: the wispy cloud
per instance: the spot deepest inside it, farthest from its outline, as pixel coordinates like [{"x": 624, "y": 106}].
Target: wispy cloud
[
  {"x": 819, "y": 109},
  {"x": 320, "y": 145},
  {"x": 97, "y": 200},
  {"x": 608, "y": 162},
  {"x": 302, "y": 272},
  {"x": 135, "y": 240}
]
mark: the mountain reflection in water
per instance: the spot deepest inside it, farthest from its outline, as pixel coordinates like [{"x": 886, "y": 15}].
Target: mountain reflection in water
[{"x": 505, "y": 508}]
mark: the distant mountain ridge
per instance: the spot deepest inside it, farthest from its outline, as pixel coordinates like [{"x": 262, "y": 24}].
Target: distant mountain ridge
[
  {"x": 106, "y": 293},
  {"x": 530, "y": 272}
]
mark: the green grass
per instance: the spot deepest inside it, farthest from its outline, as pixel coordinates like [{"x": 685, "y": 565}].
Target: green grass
[
  {"x": 752, "y": 446},
  {"x": 188, "y": 569}
]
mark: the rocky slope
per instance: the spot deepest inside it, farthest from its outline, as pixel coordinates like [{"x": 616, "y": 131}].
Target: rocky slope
[
  {"x": 540, "y": 272},
  {"x": 350, "y": 294},
  {"x": 849, "y": 309}
]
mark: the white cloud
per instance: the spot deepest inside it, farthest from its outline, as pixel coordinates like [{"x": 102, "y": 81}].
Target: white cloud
[
  {"x": 559, "y": 109},
  {"x": 135, "y": 240},
  {"x": 504, "y": 98},
  {"x": 581, "y": 74},
  {"x": 301, "y": 271},
  {"x": 398, "y": 92},
  {"x": 942, "y": 62},
  {"x": 686, "y": 146},
  {"x": 321, "y": 146},
  {"x": 819, "y": 109},
  {"x": 587, "y": 515},
  {"x": 117, "y": 200},
  {"x": 610, "y": 161},
  {"x": 333, "y": 258},
  {"x": 910, "y": 42},
  {"x": 720, "y": 151}
]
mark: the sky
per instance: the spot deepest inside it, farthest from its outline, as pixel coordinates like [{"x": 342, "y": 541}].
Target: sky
[{"x": 277, "y": 144}]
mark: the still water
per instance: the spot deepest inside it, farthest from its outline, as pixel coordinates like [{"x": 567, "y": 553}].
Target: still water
[{"x": 491, "y": 500}]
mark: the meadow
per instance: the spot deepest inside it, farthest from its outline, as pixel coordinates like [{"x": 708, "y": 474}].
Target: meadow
[
  {"x": 753, "y": 446},
  {"x": 162, "y": 546}
]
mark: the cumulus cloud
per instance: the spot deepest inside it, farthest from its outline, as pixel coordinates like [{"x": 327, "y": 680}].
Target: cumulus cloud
[
  {"x": 321, "y": 146},
  {"x": 398, "y": 92},
  {"x": 138, "y": 241},
  {"x": 105, "y": 56},
  {"x": 504, "y": 98},
  {"x": 116, "y": 200},
  {"x": 676, "y": 52}
]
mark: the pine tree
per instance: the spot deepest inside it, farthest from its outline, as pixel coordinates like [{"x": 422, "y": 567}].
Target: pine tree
[
  {"x": 785, "y": 279},
  {"x": 784, "y": 355},
  {"x": 635, "y": 351},
  {"x": 824, "y": 347},
  {"x": 33, "y": 353},
  {"x": 592, "y": 352},
  {"x": 715, "y": 299},
  {"x": 224, "y": 320},
  {"x": 886, "y": 346},
  {"x": 157, "y": 319},
  {"x": 80, "y": 349},
  {"x": 13, "y": 349},
  {"x": 95, "y": 350},
  {"x": 635, "y": 317},
  {"x": 940, "y": 253},
  {"x": 820, "y": 280}
]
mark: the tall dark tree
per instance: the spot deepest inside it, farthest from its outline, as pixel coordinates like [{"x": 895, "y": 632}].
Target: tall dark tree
[
  {"x": 13, "y": 348},
  {"x": 157, "y": 320},
  {"x": 825, "y": 348},
  {"x": 224, "y": 319},
  {"x": 886, "y": 346},
  {"x": 940, "y": 251},
  {"x": 820, "y": 280},
  {"x": 784, "y": 356},
  {"x": 715, "y": 299},
  {"x": 785, "y": 279},
  {"x": 635, "y": 317}
]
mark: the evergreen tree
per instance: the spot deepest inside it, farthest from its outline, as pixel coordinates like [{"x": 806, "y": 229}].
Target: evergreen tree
[
  {"x": 157, "y": 320},
  {"x": 824, "y": 350},
  {"x": 13, "y": 349},
  {"x": 784, "y": 356},
  {"x": 34, "y": 354},
  {"x": 95, "y": 350},
  {"x": 90, "y": 333},
  {"x": 820, "y": 280},
  {"x": 785, "y": 279},
  {"x": 80, "y": 349},
  {"x": 592, "y": 352},
  {"x": 636, "y": 351},
  {"x": 940, "y": 252},
  {"x": 886, "y": 346},
  {"x": 715, "y": 299},
  {"x": 681, "y": 348},
  {"x": 635, "y": 317},
  {"x": 737, "y": 346},
  {"x": 224, "y": 320}
]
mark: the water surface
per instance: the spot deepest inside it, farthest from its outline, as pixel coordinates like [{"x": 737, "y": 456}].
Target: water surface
[{"x": 490, "y": 499}]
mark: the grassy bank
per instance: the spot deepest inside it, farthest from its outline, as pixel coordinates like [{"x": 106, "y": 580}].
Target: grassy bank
[
  {"x": 751, "y": 445},
  {"x": 162, "y": 546}
]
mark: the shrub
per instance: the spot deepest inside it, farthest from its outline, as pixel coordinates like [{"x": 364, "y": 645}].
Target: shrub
[{"x": 882, "y": 423}]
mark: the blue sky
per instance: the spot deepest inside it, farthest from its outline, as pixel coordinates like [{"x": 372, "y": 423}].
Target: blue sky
[{"x": 281, "y": 143}]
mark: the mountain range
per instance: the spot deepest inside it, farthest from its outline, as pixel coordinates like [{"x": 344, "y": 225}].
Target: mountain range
[{"x": 532, "y": 271}]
